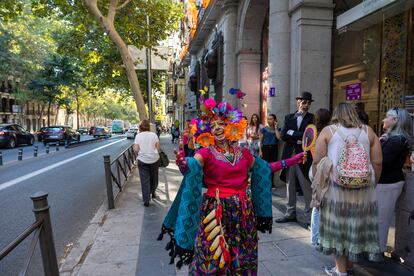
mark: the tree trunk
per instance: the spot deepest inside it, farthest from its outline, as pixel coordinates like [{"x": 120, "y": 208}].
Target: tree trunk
[
  {"x": 57, "y": 114},
  {"x": 77, "y": 111},
  {"x": 49, "y": 103},
  {"x": 108, "y": 25}
]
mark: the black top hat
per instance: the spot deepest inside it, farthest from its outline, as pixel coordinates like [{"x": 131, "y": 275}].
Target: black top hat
[{"x": 305, "y": 96}]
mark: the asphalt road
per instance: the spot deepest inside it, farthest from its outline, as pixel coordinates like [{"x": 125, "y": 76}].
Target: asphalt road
[
  {"x": 10, "y": 155},
  {"x": 75, "y": 181}
]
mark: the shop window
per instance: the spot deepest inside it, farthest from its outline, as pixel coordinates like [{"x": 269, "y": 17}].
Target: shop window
[
  {"x": 356, "y": 65},
  {"x": 394, "y": 48},
  {"x": 409, "y": 79},
  {"x": 373, "y": 63}
]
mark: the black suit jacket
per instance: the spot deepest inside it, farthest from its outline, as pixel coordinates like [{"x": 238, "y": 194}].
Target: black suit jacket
[{"x": 291, "y": 146}]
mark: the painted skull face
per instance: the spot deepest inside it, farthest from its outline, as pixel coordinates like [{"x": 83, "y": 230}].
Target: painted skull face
[{"x": 217, "y": 129}]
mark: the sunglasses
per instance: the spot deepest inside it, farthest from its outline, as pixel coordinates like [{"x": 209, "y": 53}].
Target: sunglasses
[{"x": 396, "y": 110}]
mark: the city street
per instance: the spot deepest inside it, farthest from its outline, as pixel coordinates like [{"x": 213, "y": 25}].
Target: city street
[
  {"x": 74, "y": 179},
  {"x": 295, "y": 112},
  {"x": 10, "y": 155}
]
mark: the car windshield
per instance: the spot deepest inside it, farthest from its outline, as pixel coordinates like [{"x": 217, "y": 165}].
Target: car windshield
[{"x": 54, "y": 129}]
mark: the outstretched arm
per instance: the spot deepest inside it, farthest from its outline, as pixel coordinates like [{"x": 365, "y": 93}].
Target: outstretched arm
[
  {"x": 283, "y": 164},
  {"x": 182, "y": 162}
]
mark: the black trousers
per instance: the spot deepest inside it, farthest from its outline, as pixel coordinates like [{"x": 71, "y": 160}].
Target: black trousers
[
  {"x": 270, "y": 153},
  {"x": 148, "y": 173}
]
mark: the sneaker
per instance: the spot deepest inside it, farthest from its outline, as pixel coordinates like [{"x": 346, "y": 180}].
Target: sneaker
[
  {"x": 146, "y": 204},
  {"x": 154, "y": 195},
  {"x": 333, "y": 272}
]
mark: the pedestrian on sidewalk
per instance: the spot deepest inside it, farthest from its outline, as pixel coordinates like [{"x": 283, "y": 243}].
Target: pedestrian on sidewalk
[
  {"x": 188, "y": 139},
  {"x": 322, "y": 119},
  {"x": 292, "y": 134},
  {"x": 243, "y": 140},
  {"x": 348, "y": 213},
  {"x": 147, "y": 145},
  {"x": 253, "y": 134},
  {"x": 396, "y": 146},
  {"x": 216, "y": 233},
  {"x": 269, "y": 140}
]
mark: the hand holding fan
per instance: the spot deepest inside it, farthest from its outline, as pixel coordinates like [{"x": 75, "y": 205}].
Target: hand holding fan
[{"x": 309, "y": 138}]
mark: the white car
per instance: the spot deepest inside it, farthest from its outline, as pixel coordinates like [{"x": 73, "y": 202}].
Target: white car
[{"x": 131, "y": 133}]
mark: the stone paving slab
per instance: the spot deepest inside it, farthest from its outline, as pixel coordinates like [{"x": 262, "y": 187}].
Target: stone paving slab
[{"x": 123, "y": 241}]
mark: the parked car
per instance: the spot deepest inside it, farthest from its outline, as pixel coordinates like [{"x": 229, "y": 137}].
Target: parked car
[
  {"x": 60, "y": 134},
  {"x": 40, "y": 133},
  {"x": 131, "y": 133},
  {"x": 101, "y": 131},
  {"x": 83, "y": 130},
  {"x": 12, "y": 135},
  {"x": 92, "y": 130}
]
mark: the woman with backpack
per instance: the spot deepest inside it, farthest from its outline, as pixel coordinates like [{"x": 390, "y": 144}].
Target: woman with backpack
[
  {"x": 395, "y": 144},
  {"x": 348, "y": 213}
]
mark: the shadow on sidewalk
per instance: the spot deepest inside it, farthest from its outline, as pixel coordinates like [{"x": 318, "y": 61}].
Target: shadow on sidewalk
[{"x": 153, "y": 259}]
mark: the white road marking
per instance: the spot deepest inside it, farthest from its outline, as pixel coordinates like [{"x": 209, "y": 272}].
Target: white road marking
[{"x": 15, "y": 181}]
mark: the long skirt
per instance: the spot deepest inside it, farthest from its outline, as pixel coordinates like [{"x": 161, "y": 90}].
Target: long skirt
[
  {"x": 242, "y": 241},
  {"x": 349, "y": 223}
]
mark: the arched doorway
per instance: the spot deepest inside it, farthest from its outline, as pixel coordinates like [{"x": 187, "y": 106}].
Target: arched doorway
[
  {"x": 251, "y": 19},
  {"x": 264, "y": 69}
]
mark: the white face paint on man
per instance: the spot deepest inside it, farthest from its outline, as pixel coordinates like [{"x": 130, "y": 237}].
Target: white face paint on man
[{"x": 303, "y": 105}]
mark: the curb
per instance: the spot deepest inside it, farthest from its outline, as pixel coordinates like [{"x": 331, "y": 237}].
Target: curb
[{"x": 77, "y": 252}]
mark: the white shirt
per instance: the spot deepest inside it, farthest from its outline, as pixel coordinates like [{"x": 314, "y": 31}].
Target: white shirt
[{"x": 146, "y": 141}]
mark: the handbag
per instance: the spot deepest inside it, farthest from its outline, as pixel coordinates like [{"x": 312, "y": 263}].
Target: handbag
[{"x": 163, "y": 161}]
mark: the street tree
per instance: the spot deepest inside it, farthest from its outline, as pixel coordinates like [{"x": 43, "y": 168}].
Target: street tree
[{"x": 124, "y": 22}]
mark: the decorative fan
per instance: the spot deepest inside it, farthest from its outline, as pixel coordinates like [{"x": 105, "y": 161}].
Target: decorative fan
[{"x": 309, "y": 138}]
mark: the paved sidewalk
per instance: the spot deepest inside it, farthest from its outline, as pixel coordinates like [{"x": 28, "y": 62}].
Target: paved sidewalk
[{"x": 123, "y": 241}]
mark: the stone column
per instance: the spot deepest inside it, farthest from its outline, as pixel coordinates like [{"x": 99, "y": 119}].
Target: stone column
[
  {"x": 311, "y": 38},
  {"x": 279, "y": 58},
  {"x": 229, "y": 50},
  {"x": 249, "y": 80}
]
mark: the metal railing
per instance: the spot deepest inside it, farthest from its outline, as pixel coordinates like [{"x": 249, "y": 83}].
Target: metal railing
[
  {"x": 42, "y": 229},
  {"x": 117, "y": 171}
]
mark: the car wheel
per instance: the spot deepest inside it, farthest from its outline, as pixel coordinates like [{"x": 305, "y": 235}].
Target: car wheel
[
  {"x": 31, "y": 141},
  {"x": 12, "y": 143}
]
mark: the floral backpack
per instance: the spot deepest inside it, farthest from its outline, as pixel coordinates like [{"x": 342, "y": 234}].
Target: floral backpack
[{"x": 353, "y": 168}]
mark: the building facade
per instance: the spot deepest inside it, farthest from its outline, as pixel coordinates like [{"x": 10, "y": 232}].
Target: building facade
[
  {"x": 271, "y": 50},
  {"x": 340, "y": 51}
]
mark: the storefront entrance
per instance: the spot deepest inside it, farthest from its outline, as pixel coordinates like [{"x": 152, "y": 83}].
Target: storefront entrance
[{"x": 374, "y": 63}]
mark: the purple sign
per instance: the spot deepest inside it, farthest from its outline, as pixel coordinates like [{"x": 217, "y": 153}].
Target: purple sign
[
  {"x": 272, "y": 92},
  {"x": 353, "y": 91}
]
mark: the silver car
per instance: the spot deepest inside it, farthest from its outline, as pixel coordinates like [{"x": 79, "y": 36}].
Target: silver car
[{"x": 131, "y": 133}]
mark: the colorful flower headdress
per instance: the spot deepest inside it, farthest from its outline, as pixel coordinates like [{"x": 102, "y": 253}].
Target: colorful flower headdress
[{"x": 235, "y": 124}]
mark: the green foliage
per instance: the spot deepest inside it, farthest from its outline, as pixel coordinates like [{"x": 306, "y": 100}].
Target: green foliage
[{"x": 110, "y": 105}]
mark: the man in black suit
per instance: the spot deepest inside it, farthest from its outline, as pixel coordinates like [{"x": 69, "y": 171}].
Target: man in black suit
[{"x": 292, "y": 133}]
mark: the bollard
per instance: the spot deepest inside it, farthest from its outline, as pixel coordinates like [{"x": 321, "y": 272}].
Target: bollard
[
  {"x": 1, "y": 158},
  {"x": 47, "y": 245},
  {"x": 47, "y": 148},
  {"x": 57, "y": 146},
  {"x": 66, "y": 144},
  {"x": 35, "y": 151},
  {"x": 20, "y": 155},
  {"x": 108, "y": 178}
]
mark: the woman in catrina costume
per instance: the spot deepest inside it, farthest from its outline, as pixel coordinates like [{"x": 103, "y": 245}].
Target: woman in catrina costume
[{"x": 216, "y": 232}]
